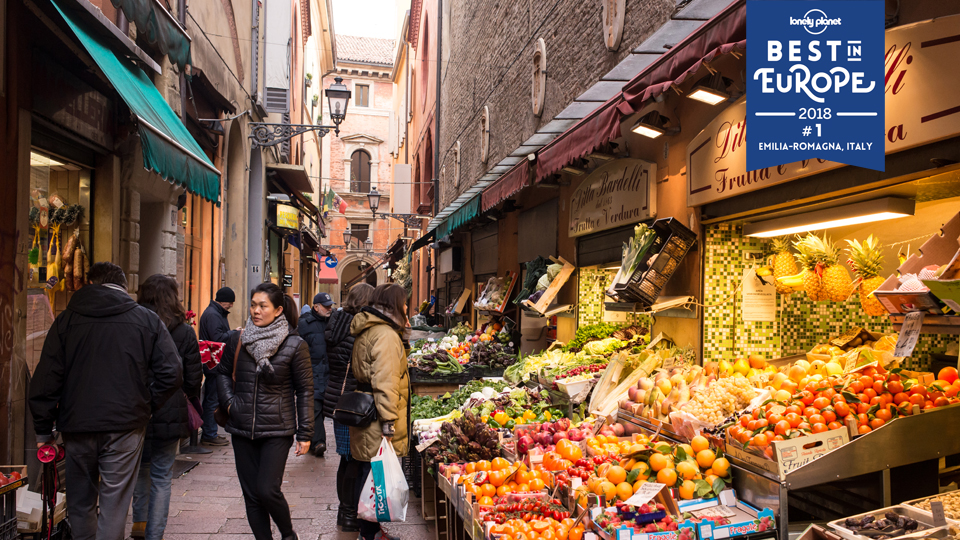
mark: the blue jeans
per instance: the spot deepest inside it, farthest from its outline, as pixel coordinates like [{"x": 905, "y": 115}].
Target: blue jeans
[
  {"x": 151, "y": 496},
  {"x": 210, "y": 403}
]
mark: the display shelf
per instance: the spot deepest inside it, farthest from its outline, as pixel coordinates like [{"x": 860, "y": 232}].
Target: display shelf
[
  {"x": 670, "y": 306},
  {"x": 550, "y": 294},
  {"x": 555, "y": 310},
  {"x": 932, "y": 324}
]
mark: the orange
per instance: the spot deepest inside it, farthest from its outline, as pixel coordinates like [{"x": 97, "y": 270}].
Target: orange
[
  {"x": 497, "y": 477},
  {"x": 499, "y": 463},
  {"x": 520, "y": 535},
  {"x": 503, "y": 490},
  {"x": 711, "y": 478},
  {"x": 523, "y": 487},
  {"x": 485, "y": 501},
  {"x": 616, "y": 474},
  {"x": 536, "y": 484},
  {"x": 608, "y": 490},
  {"x": 658, "y": 462},
  {"x": 470, "y": 467},
  {"x": 705, "y": 458},
  {"x": 603, "y": 469},
  {"x": 721, "y": 467},
  {"x": 548, "y": 535},
  {"x": 687, "y": 489},
  {"x": 562, "y": 532},
  {"x": 638, "y": 483},
  {"x": 524, "y": 477},
  {"x": 472, "y": 488},
  {"x": 567, "y": 522},
  {"x": 624, "y": 491},
  {"x": 539, "y": 526},
  {"x": 489, "y": 490},
  {"x": 575, "y": 533},
  {"x": 642, "y": 467},
  {"x": 687, "y": 470},
  {"x": 667, "y": 477},
  {"x": 699, "y": 444},
  {"x": 592, "y": 483},
  {"x": 483, "y": 465}
]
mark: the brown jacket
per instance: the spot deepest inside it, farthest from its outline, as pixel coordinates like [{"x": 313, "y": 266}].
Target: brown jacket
[{"x": 380, "y": 360}]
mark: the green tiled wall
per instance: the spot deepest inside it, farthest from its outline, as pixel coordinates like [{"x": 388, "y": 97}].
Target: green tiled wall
[
  {"x": 801, "y": 324},
  {"x": 592, "y": 281}
]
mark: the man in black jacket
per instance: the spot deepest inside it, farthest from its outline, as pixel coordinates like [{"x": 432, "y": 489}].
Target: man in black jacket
[
  {"x": 311, "y": 328},
  {"x": 107, "y": 364},
  {"x": 214, "y": 327}
]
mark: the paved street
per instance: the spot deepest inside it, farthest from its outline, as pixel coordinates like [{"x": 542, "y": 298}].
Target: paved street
[{"x": 206, "y": 502}]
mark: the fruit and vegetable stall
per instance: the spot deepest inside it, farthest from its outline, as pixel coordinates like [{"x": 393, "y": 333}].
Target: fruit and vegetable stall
[{"x": 661, "y": 447}]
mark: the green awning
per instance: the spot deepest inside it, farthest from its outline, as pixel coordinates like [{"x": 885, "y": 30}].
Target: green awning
[
  {"x": 423, "y": 241},
  {"x": 158, "y": 27},
  {"x": 460, "y": 217},
  {"x": 168, "y": 148}
]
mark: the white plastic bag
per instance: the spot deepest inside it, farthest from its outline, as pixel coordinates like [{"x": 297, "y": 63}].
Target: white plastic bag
[{"x": 385, "y": 493}]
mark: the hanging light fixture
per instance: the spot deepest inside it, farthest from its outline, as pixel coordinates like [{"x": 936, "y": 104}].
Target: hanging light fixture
[
  {"x": 652, "y": 124},
  {"x": 711, "y": 89},
  {"x": 839, "y": 216},
  {"x": 374, "y": 199},
  {"x": 368, "y": 244},
  {"x": 346, "y": 237},
  {"x": 338, "y": 98}
]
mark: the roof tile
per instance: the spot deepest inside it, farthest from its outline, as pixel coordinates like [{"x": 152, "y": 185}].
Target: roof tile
[{"x": 365, "y": 49}]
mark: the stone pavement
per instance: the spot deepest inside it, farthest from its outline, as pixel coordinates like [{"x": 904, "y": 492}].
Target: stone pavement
[{"x": 206, "y": 502}]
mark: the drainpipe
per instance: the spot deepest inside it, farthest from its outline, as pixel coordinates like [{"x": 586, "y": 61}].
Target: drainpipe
[
  {"x": 436, "y": 144},
  {"x": 182, "y": 19}
]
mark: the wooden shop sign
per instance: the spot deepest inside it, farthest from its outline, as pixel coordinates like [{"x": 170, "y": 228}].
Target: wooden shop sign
[{"x": 618, "y": 193}]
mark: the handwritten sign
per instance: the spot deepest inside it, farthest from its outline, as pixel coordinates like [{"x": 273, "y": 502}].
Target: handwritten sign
[
  {"x": 759, "y": 297},
  {"x": 939, "y": 518},
  {"x": 646, "y": 492},
  {"x": 618, "y": 193},
  {"x": 909, "y": 334}
]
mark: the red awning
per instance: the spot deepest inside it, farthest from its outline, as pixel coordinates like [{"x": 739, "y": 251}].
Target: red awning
[
  {"x": 510, "y": 183},
  {"x": 724, "y": 33},
  {"x": 327, "y": 274}
]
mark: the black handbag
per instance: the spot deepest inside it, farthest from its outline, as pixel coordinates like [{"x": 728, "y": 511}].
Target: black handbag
[{"x": 355, "y": 409}]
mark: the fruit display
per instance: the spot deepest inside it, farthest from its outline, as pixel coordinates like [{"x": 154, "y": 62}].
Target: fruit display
[
  {"x": 494, "y": 295},
  {"x": 714, "y": 402},
  {"x": 866, "y": 259},
  {"x": 822, "y": 276},
  {"x": 512, "y": 407},
  {"x": 883, "y": 525},
  {"x": 546, "y": 437},
  {"x": 490, "y": 346},
  {"x": 646, "y": 518},
  {"x": 529, "y": 509},
  {"x": 783, "y": 262},
  {"x": 950, "y": 500},
  {"x": 657, "y": 396},
  {"x": 464, "y": 439}
]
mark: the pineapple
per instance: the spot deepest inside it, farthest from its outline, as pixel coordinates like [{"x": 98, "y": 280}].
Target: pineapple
[
  {"x": 825, "y": 278},
  {"x": 866, "y": 259},
  {"x": 783, "y": 263}
]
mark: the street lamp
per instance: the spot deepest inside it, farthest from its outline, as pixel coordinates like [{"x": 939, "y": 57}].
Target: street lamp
[
  {"x": 410, "y": 220},
  {"x": 374, "y": 198},
  {"x": 346, "y": 237},
  {"x": 368, "y": 244},
  {"x": 338, "y": 97}
]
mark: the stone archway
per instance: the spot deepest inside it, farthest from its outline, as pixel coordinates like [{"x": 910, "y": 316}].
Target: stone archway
[{"x": 348, "y": 268}]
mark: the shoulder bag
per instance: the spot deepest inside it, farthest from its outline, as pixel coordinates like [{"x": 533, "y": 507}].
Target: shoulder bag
[
  {"x": 355, "y": 409},
  {"x": 220, "y": 415}
]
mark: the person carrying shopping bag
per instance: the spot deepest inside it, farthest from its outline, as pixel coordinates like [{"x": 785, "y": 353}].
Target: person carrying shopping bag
[
  {"x": 379, "y": 363},
  {"x": 265, "y": 384}
]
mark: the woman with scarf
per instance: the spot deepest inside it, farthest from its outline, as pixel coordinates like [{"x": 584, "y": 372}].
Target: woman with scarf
[
  {"x": 380, "y": 367},
  {"x": 268, "y": 399},
  {"x": 339, "y": 352}
]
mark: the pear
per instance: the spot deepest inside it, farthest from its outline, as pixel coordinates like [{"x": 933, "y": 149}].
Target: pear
[{"x": 741, "y": 366}]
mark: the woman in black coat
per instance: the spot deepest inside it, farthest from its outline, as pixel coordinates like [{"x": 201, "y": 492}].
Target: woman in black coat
[
  {"x": 339, "y": 350},
  {"x": 151, "y": 496},
  {"x": 268, "y": 399}
]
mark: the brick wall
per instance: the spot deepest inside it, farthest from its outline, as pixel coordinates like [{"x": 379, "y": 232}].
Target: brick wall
[{"x": 491, "y": 63}]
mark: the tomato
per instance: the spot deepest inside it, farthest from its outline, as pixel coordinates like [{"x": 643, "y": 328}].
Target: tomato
[
  {"x": 895, "y": 387},
  {"x": 842, "y": 409}
]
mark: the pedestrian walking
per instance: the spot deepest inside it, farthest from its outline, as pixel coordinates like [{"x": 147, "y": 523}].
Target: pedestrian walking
[
  {"x": 107, "y": 364},
  {"x": 380, "y": 367},
  {"x": 265, "y": 383},
  {"x": 311, "y": 328},
  {"x": 214, "y": 327},
  {"x": 170, "y": 423},
  {"x": 339, "y": 351}
]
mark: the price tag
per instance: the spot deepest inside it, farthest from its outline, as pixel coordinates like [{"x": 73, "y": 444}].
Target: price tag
[
  {"x": 624, "y": 533},
  {"x": 576, "y": 482},
  {"x": 936, "y": 508},
  {"x": 909, "y": 334},
  {"x": 646, "y": 492}
]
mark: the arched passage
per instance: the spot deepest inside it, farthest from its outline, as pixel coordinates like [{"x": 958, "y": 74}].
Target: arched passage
[{"x": 352, "y": 266}]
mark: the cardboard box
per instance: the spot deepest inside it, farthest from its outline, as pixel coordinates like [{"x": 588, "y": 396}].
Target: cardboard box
[
  {"x": 30, "y": 510},
  {"x": 745, "y": 522},
  {"x": 816, "y": 532},
  {"x": 792, "y": 454},
  {"x": 939, "y": 250}
]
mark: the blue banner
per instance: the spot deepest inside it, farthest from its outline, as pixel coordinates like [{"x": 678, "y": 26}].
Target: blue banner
[{"x": 815, "y": 82}]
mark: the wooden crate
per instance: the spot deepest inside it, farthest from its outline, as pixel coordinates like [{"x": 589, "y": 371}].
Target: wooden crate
[
  {"x": 432, "y": 390},
  {"x": 428, "y": 495}
]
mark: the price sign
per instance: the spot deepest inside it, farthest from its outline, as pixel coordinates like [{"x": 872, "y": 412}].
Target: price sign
[
  {"x": 939, "y": 519},
  {"x": 909, "y": 334},
  {"x": 646, "y": 492}
]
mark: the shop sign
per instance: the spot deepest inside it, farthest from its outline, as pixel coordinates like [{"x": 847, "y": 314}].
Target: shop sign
[
  {"x": 922, "y": 106},
  {"x": 287, "y": 280},
  {"x": 287, "y": 217},
  {"x": 60, "y": 96},
  {"x": 618, "y": 193}
]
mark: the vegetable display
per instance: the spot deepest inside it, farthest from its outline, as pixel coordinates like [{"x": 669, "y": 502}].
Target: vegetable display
[
  {"x": 431, "y": 407},
  {"x": 464, "y": 439},
  {"x": 634, "y": 252}
]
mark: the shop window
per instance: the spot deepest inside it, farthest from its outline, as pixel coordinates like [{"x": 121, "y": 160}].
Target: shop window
[
  {"x": 362, "y": 95},
  {"x": 360, "y": 232},
  {"x": 200, "y": 279},
  {"x": 59, "y": 242},
  {"x": 360, "y": 172}
]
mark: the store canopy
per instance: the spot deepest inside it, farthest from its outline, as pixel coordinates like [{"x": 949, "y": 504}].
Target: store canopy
[
  {"x": 423, "y": 241},
  {"x": 460, "y": 217},
  {"x": 724, "y": 33},
  {"x": 327, "y": 274},
  {"x": 506, "y": 186},
  {"x": 158, "y": 27},
  {"x": 293, "y": 181},
  {"x": 168, "y": 148}
]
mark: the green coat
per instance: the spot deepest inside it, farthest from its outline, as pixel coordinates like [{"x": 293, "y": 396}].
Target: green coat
[{"x": 380, "y": 360}]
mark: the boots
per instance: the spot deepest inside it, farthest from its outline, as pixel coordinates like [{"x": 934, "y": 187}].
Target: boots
[
  {"x": 139, "y": 530},
  {"x": 341, "y": 474},
  {"x": 349, "y": 497}
]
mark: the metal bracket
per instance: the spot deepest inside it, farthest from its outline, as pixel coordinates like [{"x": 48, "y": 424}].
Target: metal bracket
[
  {"x": 264, "y": 134},
  {"x": 410, "y": 220}
]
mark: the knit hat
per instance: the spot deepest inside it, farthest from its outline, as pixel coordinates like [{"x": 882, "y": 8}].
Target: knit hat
[{"x": 226, "y": 294}]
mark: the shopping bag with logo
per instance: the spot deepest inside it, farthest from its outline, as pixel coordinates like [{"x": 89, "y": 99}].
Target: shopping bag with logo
[
  {"x": 210, "y": 352},
  {"x": 385, "y": 493}
]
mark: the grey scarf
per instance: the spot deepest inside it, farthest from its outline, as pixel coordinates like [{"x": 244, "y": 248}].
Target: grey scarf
[{"x": 263, "y": 341}]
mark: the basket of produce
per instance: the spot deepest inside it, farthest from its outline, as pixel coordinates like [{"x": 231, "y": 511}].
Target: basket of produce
[
  {"x": 883, "y": 524},
  {"x": 650, "y": 259}
]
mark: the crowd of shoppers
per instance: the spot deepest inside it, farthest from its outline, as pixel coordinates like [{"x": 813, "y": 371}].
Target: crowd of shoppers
[{"x": 277, "y": 380}]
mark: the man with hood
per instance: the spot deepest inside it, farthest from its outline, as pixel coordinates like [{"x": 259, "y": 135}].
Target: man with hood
[
  {"x": 107, "y": 364},
  {"x": 214, "y": 327},
  {"x": 311, "y": 328}
]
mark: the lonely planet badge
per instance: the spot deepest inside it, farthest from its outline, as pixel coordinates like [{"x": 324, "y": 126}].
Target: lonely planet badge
[{"x": 815, "y": 82}]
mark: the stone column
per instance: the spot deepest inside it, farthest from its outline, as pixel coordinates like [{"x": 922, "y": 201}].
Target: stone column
[{"x": 130, "y": 238}]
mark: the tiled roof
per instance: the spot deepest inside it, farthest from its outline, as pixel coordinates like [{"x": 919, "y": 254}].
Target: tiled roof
[{"x": 365, "y": 49}]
